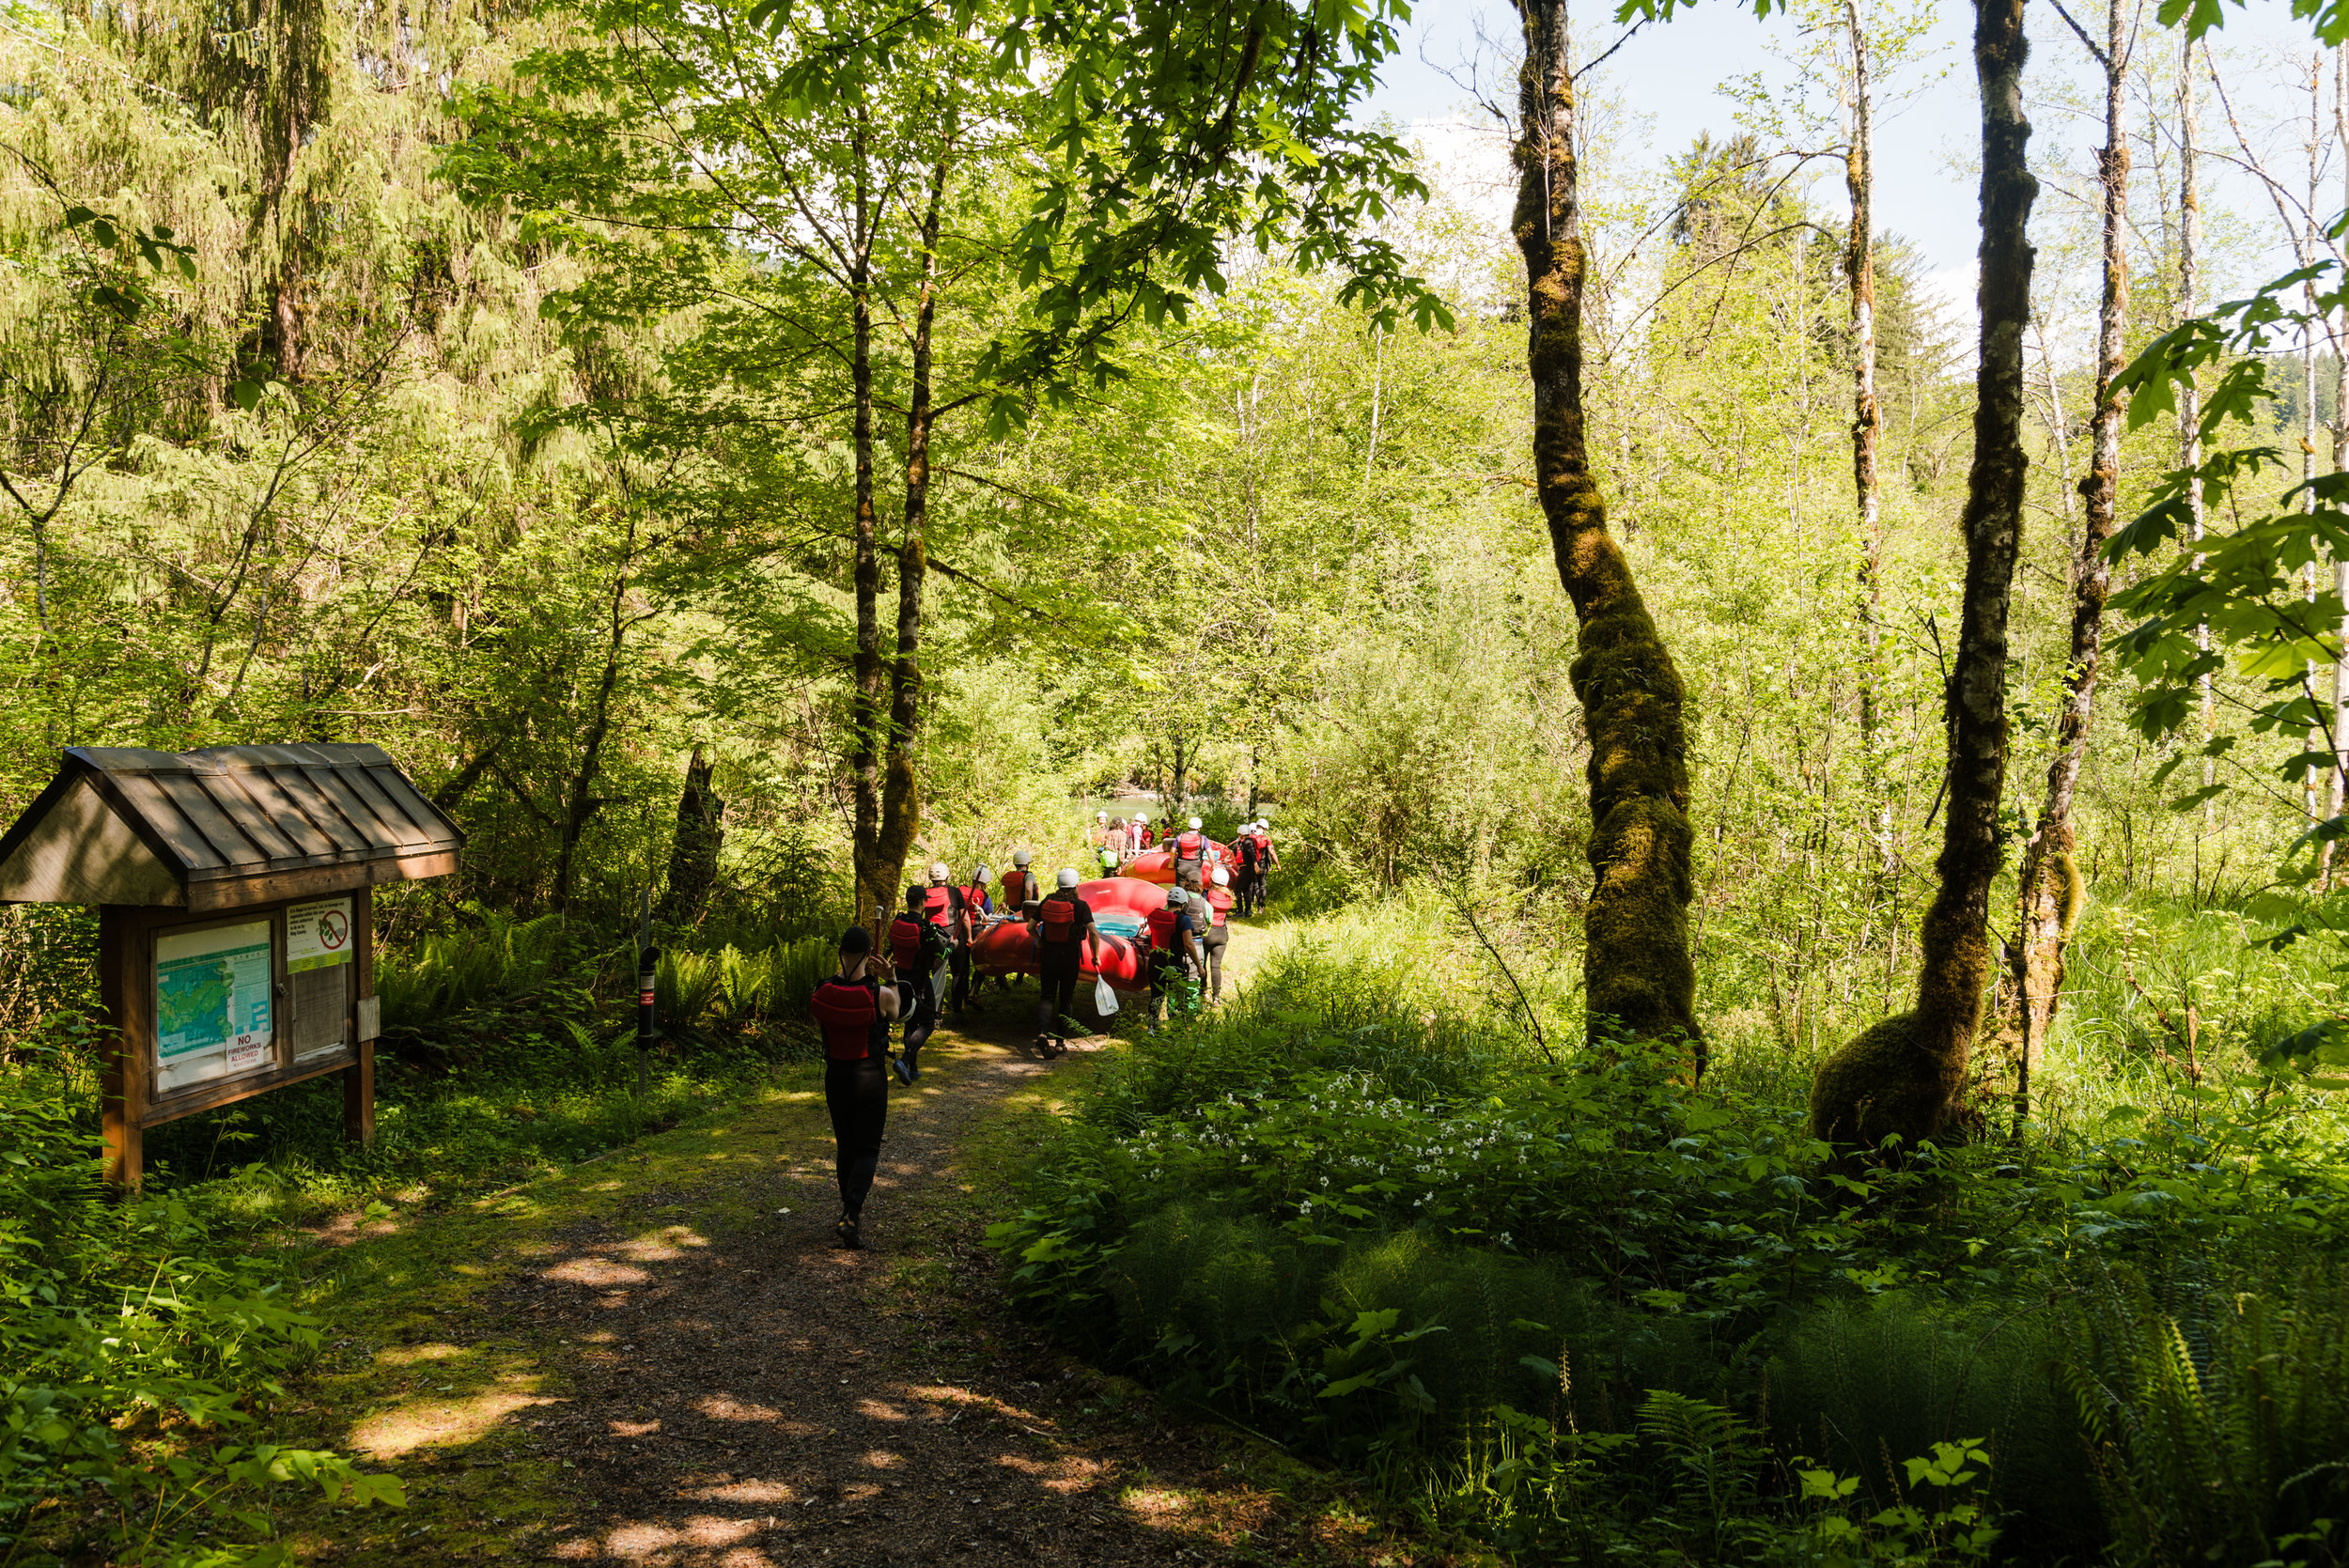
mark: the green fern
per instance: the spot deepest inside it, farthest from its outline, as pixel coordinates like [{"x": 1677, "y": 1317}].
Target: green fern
[{"x": 2215, "y": 1418}]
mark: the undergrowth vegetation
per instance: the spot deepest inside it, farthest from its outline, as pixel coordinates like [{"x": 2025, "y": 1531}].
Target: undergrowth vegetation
[{"x": 1557, "y": 1302}]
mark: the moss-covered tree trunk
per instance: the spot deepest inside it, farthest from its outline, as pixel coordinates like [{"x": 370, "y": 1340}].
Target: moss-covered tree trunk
[
  {"x": 874, "y": 882},
  {"x": 1904, "y": 1076},
  {"x": 2051, "y": 886},
  {"x": 1636, "y": 966}
]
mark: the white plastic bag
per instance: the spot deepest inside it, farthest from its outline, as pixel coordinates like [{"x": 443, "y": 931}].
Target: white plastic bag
[{"x": 1104, "y": 998}]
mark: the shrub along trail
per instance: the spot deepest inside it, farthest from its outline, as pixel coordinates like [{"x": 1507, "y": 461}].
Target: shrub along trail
[{"x": 643, "y": 1360}]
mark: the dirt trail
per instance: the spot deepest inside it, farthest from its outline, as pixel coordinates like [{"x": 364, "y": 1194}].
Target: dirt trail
[{"x": 737, "y": 1391}]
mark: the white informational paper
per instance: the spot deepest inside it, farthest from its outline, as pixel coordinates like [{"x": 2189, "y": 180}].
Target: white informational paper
[
  {"x": 318, "y": 935},
  {"x": 212, "y": 1016}
]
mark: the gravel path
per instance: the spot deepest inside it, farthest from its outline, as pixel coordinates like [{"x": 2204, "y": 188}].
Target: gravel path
[{"x": 759, "y": 1397}]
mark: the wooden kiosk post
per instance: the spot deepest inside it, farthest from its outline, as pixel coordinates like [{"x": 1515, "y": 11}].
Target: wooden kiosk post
[{"x": 236, "y": 927}]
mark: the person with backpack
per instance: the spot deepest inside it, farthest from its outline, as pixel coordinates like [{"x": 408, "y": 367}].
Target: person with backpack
[
  {"x": 1176, "y": 954},
  {"x": 1244, "y": 849},
  {"x": 972, "y": 908},
  {"x": 1209, "y": 911},
  {"x": 944, "y": 904},
  {"x": 1260, "y": 834},
  {"x": 917, "y": 948},
  {"x": 1065, "y": 941},
  {"x": 1190, "y": 853},
  {"x": 1019, "y": 884},
  {"x": 854, "y": 1009}
]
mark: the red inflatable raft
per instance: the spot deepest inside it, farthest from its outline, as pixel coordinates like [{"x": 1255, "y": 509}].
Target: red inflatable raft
[
  {"x": 1158, "y": 865},
  {"x": 1120, "y": 905}
]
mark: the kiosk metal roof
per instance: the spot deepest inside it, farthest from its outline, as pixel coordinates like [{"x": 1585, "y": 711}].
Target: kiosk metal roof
[{"x": 222, "y": 827}]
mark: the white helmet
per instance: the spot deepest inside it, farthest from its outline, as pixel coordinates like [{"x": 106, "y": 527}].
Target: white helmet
[
  {"x": 980, "y": 873},
  {"x": 1101, "y": 816},
  {"x": 1222, "y": 878},
  {"x": 1067, "y": 877},
  {"x": 1139, "y": 819},
  {"x": 1021, "y": 858},
  {"x": 1194, "y": 824},
  {"x": 939, "y": 872}
]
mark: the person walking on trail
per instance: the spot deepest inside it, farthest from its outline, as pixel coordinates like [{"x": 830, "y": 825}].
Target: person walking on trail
[
  {"x": 1149, "y": 833},
  {"x": 1098, "y": 835},
  {"x": 1117, "y": 838},
  {"x": 972, "y": 907},
  {"x": 1267, "y": 861},
  {"x": 917, "y": 948},
  {"x": 1209, "y": 911},
  {"x": 945, "y": 905},
  {"x": 1137, "y": 836},
  {"x": 1066, "y": 940},
  {"x": 854, "y": 1008},
  {"x": 1190, "y": 852},
  {"x": 1244, "y": 850},
  {"x": 1175, "y": 953}
]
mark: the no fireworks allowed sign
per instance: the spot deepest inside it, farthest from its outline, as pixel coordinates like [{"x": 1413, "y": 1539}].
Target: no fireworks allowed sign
[{"x": 318, "y": 935}]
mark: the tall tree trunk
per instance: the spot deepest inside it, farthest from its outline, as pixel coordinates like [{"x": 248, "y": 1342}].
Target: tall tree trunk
[
  {"x": 1637, "y": 972},
  {"x": 2339, "y": 331},
  {"x": 2051, "y": 887},
  {"x": 1904, "y": 1076},
  {"x": 584, "y": 802},
  {"x": 2190, "y": 396},
  {"x": 1860, "y": 269},
  {"x": 875, "y": 884},
  {"x": 2319, "y": 742},
  {"x": 901, "y": 798},
  {"x": 693, "y": 850}
]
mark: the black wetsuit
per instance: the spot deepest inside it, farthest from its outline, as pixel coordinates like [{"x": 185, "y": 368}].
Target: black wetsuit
[
  {"x": 1057, "y": 964},
  {"x": 856, "y": 1092}
]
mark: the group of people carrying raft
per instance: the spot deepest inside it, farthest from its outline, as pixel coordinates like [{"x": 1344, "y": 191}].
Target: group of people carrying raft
[{"x": 928, "y": 965}]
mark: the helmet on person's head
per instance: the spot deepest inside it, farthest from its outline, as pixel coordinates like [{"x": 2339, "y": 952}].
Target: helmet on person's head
[
  {"x": 1067, "y": 877},
  {"x": 1176, "y": 897},
  {"x": 1101, "y": 816},
  {"x": 939, "y": 872},
  {"x": 1222, "y": 878},
  {"x": 1140, "y": 819},
  {"x": 1194, "y": 824},
  {"x": 980, "y": 873},
  {"x": 1020, "y": 859}
]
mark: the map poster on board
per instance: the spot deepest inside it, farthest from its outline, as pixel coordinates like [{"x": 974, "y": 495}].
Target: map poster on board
[
  {"x": 211, "y": 1004},
  {"x": 317, "y": 934}
]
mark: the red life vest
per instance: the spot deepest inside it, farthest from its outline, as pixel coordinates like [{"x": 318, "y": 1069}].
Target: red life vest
[
  {"x": 849, "y": 1013},
  {"x": 905, "y": 941},
  {"x": 1016, "y": 888},
  {"x": 1218, "y": 900},
  {"x": 1162, "y": 926},
  {"x": 941, "y": 903},
  {"x": 1190, "y": 846},
  {"x": 1059, "y": 912},
  {"x": 973, "y": 899}
]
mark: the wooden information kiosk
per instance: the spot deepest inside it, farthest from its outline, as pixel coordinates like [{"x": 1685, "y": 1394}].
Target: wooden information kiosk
[{"x": 236, "y": 929}]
